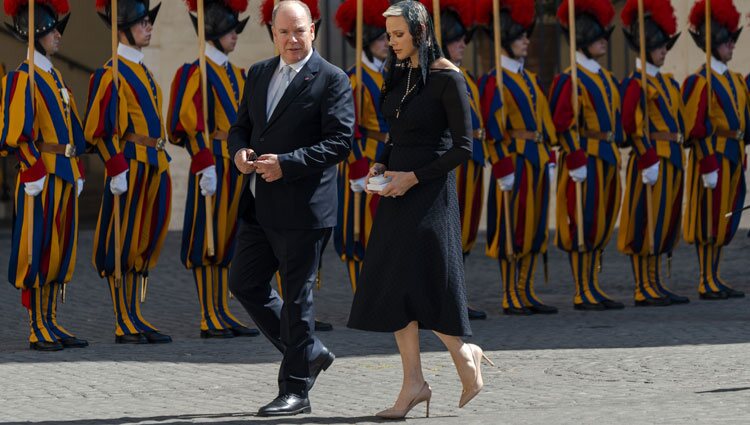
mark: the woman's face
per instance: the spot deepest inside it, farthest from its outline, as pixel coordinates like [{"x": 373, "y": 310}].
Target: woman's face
[{"x": 399, "y": 37}]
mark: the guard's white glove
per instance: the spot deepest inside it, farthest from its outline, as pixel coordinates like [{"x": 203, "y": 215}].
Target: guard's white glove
[
  {"x": 208, "y": 180},
  {"x": 579, "y": 174},
  {"x": 506, "y": 182},
  {"x": 710, "y": 179},
  {"x": 552, "y": 168},
  {"x": 650, "y": 175},
  {"x": 119, "y": 183},
  {"x": 34, "y": 188},
  {"x": 358, "y": 185},
  {"x": 79, "y": 187}
]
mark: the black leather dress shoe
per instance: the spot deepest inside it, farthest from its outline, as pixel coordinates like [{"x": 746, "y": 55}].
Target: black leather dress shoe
[
  {"x": 476, "y": 314},
  {"x": 155, "y": 337},
  {"x": 733, "y": 293},
  {"x": 320, "y": 363},
  {"x": 323, "y": 326},
  {"x": 513, "y": 311},
  {"x": 587, "y": 306},
  {"x": 216, "y": 333},
  {"x": 73, "y": 342},
  {"x": 286, "y": 405},
  {"x": 131, "y": 339},
  {"x": 543, "y": 309},
  {"x": 244, "y": 331},
  {"x": 678, "y": 299},
  {"x": 718, "y": 295},
  {"x": 46, "y": 346},
  {"x": 653, "y": 302},
  {"x": 612, "y": 305}
]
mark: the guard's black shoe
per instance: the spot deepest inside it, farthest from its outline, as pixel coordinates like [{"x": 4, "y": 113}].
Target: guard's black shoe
[
  {"x": 678, "y": 299},
  {"x": 286, "y": 405},
  {"x": 323, "y": 326},
  {"x": 46, "y": 346},
  {"x": 733, "y": 293},
  {"x": 73, "y": 342},
  {"x": 154, "y": 337},
  {"x": 476, "y": 314},
  {"x": 320, "y": 363},
  {"x": 244, "y": 331},
  {"x": 653, "y": 302},
  {"x": 513, "y": 311},
  {"x": 587, "y": 306},
  {"x": 216, "y": 333},
  {"x": 543, "y": 309},
  {"x": 718, "y": 295},
  {"x": 612, "y": 305},
  {"x": 131, "y": 339}
]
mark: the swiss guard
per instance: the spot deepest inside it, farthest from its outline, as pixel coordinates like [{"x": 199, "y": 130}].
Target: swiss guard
[
  {"x": 47, "y": 138},
  {"x": 124, "y": 123},
  {"x": 266, "y": 13},
  {"x": 519, "y": 140},
  {"x": 357, "y": 208},
  {"x": 655, "y": 167},
  {"x": 589, "y": 177},
  {"x": 212, "y": 177},
  {"x": 717, "y": 116}
]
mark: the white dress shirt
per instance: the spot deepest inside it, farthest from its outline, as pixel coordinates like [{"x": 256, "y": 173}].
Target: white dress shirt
[{"x": 129, "y": 53}]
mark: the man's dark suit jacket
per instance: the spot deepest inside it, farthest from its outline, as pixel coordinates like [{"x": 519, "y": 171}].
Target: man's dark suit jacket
[{"x": 310, "y": 130}]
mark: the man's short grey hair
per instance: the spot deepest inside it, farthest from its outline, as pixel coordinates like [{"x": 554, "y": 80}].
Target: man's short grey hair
[{"x": 280, "y": 4}]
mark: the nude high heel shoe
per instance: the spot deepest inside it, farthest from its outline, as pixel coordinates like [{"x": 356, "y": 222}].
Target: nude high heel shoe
[
  {"x": 425, "y": 394},
  {"x": 468, "y": 393}
]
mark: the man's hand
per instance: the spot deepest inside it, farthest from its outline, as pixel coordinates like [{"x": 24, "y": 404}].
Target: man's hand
[
  {"x": 244, "y": 160},
  {"x": 268, "y": 168}
]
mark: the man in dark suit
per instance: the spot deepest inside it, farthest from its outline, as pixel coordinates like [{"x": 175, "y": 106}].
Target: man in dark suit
[{"x": 295, "y": 123}]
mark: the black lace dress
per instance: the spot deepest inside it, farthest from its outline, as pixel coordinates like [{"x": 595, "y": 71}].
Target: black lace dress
[{"x": 413, "y": 268}]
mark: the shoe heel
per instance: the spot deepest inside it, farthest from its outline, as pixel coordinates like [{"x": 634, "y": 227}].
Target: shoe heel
[
  {"x": 487, "y": 359},
  {"x": 427, "y": 413}
]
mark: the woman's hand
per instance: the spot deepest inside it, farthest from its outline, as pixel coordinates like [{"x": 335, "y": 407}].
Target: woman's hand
[
  {"x": 401, "y": 183},
  {"x": 376, "y": 170}
]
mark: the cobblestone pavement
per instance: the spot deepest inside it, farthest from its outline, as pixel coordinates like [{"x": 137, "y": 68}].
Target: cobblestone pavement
[{"x": 674, "y": 365}]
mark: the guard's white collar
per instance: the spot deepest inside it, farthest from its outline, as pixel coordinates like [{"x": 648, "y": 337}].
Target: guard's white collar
[{"x": 589, "y": 64}]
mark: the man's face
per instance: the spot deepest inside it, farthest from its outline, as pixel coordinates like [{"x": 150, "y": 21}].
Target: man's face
[
  {"x": 228, "y": 42},
  {"x": 51, "y": 42},
  {"x": 141, "y": 32},
  {"x": 520, "y": 46},
  {"x": 293, "y": 33},
  {"x": 725, "y": 51},
  {"x": 456, "y": 50},
  {"x": 658, "y": 56},
  {"x": 379, "y": 47},
  {"x": 598, "y": 48}
]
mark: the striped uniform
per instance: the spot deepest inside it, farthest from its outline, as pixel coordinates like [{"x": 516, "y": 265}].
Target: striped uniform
[
  {"x": 662, "y": 146},
  {"x": 519, "y": 135},
  {"x": 719, "y": 141},
  {"x": 367, "y": 148},
  {"x": 186, "y": 126},
  {"x": 134, "y": 110},
  {"x": 594, "y": 144},
  {"x": 54, "y": 124},
  {"x": 470, "y": 175}
]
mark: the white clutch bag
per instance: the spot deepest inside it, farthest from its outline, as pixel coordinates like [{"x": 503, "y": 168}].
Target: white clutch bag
[{"x": 378, "y": 183}]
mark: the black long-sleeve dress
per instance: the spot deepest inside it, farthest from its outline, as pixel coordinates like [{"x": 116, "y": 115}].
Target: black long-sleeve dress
[{"x": 413, "y": 269}]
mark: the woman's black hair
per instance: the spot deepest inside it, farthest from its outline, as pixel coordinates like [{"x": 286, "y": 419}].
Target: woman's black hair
[{"x": 423, "y": 34}]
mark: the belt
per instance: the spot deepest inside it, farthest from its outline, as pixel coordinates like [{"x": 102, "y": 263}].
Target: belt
[
  {"x": 536, "y": 136},
  {"x": 671, "y": 137},
  {"x": 220, "y": 135},
  {"x": 731, "y": 134},
  {"x": 377, "y": 135},
  {"x": 599, "y": 135},
  {"x": 149, "y": 142},
  {"x": 69, "y": 151}
]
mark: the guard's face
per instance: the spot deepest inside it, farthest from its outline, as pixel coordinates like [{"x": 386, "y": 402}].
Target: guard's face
[
  {"x": 51, "y": 42},
  {"x": 598, "y": 48},
  {"x": 725, "y": 51},
  {"x": 658, "y": 56},
  {"x": 293, "y": 33},
  {"x": 379, "y": 47},
  {"x": 142, "y": 32},
  {"x": 520, "y": 46},
  {"x": 399, "y": 37},
  {"x": 228, "y": 41},
  {"x": 456, "y": 50}
]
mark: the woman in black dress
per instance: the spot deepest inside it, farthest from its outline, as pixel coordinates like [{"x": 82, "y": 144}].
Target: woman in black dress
[{"x": 413, "y": 276}]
